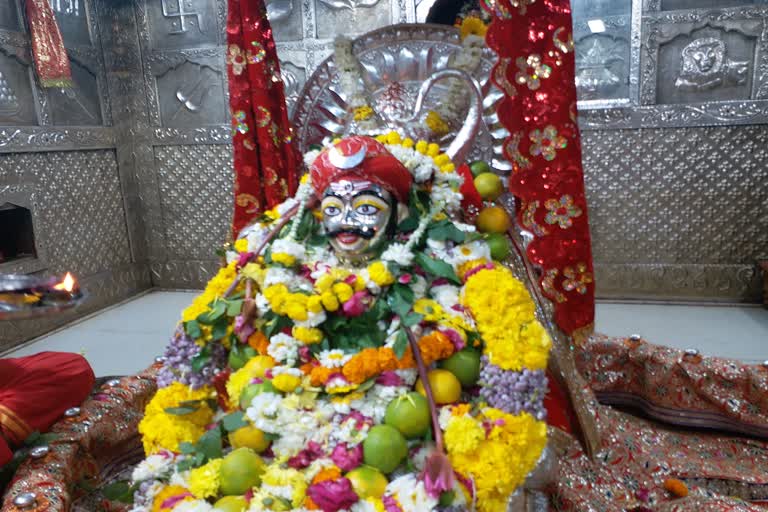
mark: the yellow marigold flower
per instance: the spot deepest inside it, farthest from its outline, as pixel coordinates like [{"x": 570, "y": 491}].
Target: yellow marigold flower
[
  {"x": 276, "y": 476},
  {"x": 442, "y": 159},
  {"x": 166, "y": 432},
  {"x": 463, "y": 435},
  {"x": 363, "y": 113},
  {"x": 421, "y": 147},
  {"x": 433, "y": 150},
  {"x": 173, "y": 395},
  {"x": 324, "y": 283},
  {"x": 447, "y": 168},
  {"x": 304, "y": 179},
  {"x": 241, "y": 245},
  {"x": 296, "y": 311},
  {"x": 380, "y": 274},
  {"x": 170, "y": 491},
  {"x": 286, "y": 382},
  {"x": 381, "y": 138},
  {"x": 393, "y": 138},
  {"x": 436, "y": 123},
  {"x": 472, "y": 26},
  {"x": 204, "y": 481},
  {"x": 314, "y": 304},
  {"x": 285, "y": 259},
  {"x": 215, "y": 288},
  {"x": 378, "y": 505},
  {"x": 330, "y": 302},
  {"x": 307, "y": 335},
  {"x": 343, "y": 291},
  {"x": 408, "y": 143},
  {"x": 431, "y": 310},
  {"x": 253, "y": 271}
]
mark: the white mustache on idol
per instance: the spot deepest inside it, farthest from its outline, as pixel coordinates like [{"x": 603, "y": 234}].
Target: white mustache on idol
[{"x": 341, "y": 161}]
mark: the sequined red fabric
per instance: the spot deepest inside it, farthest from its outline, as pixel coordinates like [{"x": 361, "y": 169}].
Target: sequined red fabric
[
  {"x": 536, "y": 72},
  {"x": 677, "y": 387},
  {"x": 264, "y": 156},
  {"x": 51, "y": 61}
]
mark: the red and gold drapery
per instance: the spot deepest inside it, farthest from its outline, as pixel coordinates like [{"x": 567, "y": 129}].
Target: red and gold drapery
[
  {"x": 51, "y": 61},
  {"x": 536, "y": 70},
  {"x": 266, "y": 163}
]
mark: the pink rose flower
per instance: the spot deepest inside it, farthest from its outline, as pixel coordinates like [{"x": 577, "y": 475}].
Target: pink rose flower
[
  {"x": 243, "y": 329},
  {"x": 244, "y": 258},
  {"x": 333, "y": 495},
  {"x": 456, "y": 339},
  {"x": 389, "y": 378},
  {"x": 347, "y": 458},
  {"x": 306, "y": 456},
  {"x": 357, "y": 304},
  {"x": 391, "y": 504}
]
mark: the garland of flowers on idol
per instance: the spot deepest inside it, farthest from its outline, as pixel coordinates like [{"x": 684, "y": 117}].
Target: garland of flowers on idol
[{"x": 309, "y": 407}]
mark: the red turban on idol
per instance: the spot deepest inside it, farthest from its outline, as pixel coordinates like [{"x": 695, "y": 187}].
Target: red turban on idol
[{"x": 360, "y": 158}]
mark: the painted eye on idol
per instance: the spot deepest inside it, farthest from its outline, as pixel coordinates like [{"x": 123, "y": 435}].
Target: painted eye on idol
[
  {"x": 367, "y": 209},
  {"x": 331, "y": 210}
]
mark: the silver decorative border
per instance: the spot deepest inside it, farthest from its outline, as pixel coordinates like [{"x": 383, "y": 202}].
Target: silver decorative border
[{"x": 35, "y": 139}]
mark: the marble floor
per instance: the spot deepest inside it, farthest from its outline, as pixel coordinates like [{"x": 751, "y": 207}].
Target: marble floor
[{"x": 126, "y": 338}]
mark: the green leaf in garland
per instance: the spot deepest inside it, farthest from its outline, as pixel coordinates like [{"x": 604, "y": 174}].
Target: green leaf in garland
[
  {"x": 436, "y": 267},
  {"x": 401, "y": 343},
  {"x": 186, "y": 448},
  {"x": 400, "y": 299},
  {"x": 411, "y": 319},
  {"x": 181, "y": 411},
  {"x": 408, "y": 225},
  {"x": 234, "y": 307},
  {"x": 192, "y": 328},
  {"x": 119, "y": 491},
  {"x": 234, "y": 421},
  {"x": 209, "y": 444},
  {"x": 219, "y": 329},
  {"x": 446, "y": 230}
]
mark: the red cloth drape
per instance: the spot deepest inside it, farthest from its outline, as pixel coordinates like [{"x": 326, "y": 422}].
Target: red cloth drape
[
  {"x": 51, "y": 61},
  {"x": 266, "y": 162},
  {"x": 36, "y": 390},
  {"x": 536, "y": 71}
]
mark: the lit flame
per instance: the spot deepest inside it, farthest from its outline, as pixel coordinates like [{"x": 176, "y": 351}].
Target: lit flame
[{"x": 67, "y": 285}]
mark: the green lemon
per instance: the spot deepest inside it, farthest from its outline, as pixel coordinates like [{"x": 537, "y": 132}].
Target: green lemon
[
  {"x": 493, "y": 219},
  {"x": 489, "y": 186},
  {"x": 384, "y": 448},
  {"x": 499, "y": 245},
  {"x": 479, "y": 167},
  {"x": 231, "y": 504},
  {"x": 241, "y": 470},
  {"x": 464, "y": 365},
  {"x": 368, "y": 482},
  {"x": 409, "y": 414},
  {"x": 251, "y": 390}
]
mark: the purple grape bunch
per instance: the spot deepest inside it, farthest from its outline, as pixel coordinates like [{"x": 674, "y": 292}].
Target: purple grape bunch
[
  {"x": 513, "y": 392},
  {"x": 177, "y": 366}
]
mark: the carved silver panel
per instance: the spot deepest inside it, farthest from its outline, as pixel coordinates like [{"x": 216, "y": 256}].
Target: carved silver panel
[
  {"x": 196, "y": 197},
  {"x": 9, "y": 15},
  {"x": 286, "y": 17},
  {"x": 177, "y": 24},
  {"x": 696, "y": 197},
  {"x": 355, "y": 16},
  {"x": 191, "y": 94},
  {"x": 184, "y": 274},
  {"x": 13, "y": 140},
  {"x": 79, "y": 105},
  {"x": 73, "y": 19},
  {"x": 672, "y": 5},
  {"x": 17, "y": 96},
  {"x": 603, "y": 59}
]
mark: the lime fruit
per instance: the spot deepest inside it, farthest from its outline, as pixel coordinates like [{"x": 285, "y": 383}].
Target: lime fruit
[
  {"x": 464, "y": 365},
  {"x": 446, "y": 388},
  {"x": 409, "y": 414},
  {"x": 493, "y": 219},
  {"x": 251, "y": 390},
  {"x": 489, "y": 186},
  {"x": 479, "y": 167},
  {"x": 499, "y": 245},
  {"x": 241, "y": 470},
  {"x": 368, "y": 482},
  {"x": 384, "y": 448},
  {"x": 249, "y": 437},
  {"x": 231, "y": 504}
]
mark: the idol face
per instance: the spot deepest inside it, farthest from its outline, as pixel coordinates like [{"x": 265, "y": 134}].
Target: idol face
[{"x": 356, "y": 215}]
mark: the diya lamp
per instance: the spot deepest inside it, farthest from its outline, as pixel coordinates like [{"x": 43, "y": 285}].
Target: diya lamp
[{"x": 23, "y": 296}]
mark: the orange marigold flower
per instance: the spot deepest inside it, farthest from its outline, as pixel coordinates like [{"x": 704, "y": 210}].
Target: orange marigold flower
[
  {"x": 434, "y": 347},
  {"x": 307, "y": 368},
  {"x": 258, "y": 342},
  {"x": 320, "y": 375},
  {"x": 407, "y": 361},
  {"x": 331, "y": 473},
  {"x": 309, "y": 504},
  {"x": 362, "y": 366},
  {"x": 676, "y": 487},
  {"x": 387, "y": 360}
]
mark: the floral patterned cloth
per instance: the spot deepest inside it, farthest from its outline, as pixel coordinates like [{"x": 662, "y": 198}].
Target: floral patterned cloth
[{"x": 266, "y": 162}]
